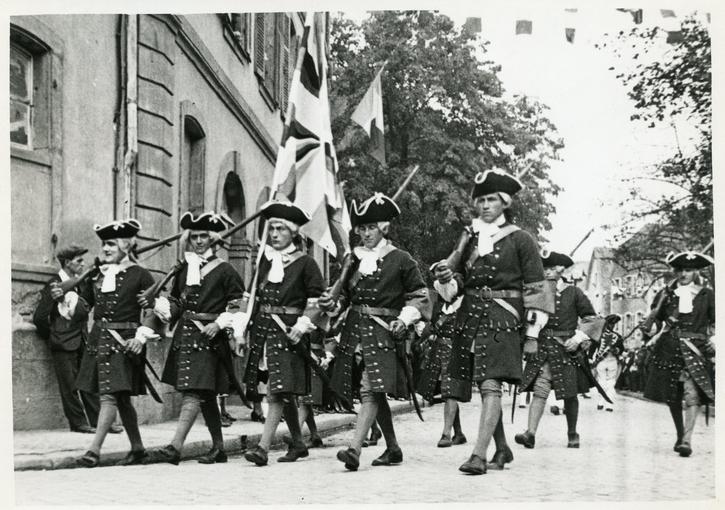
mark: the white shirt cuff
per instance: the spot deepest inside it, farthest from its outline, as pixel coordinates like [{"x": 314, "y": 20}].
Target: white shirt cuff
[
  {"x": 535, "y": 322},
  {"x": 144, "y": 333},
  {"x": 448, "y": 290},
  {"x": 162, "y": 309},
  {"x": 409, "y": 315},
  {"x": 67, "y": 307},
  {"x": 304, "y": 324}
]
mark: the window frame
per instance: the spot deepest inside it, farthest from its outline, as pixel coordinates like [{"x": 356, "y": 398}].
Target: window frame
[{"x": 29, "y": 84}]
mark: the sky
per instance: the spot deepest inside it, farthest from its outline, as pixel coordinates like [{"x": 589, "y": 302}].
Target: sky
[{"x": 604, "y": 150}]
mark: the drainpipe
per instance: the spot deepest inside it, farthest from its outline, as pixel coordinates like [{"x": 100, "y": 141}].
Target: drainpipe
[
  {"x": 119, "y": 117},
  {"x": 129, "y": 159}
]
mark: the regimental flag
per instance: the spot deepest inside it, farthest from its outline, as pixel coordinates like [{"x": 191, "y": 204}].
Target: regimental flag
[
  {"x": 306, "y": 168},
  {"x": 369, "y": 115},
  {"x": 636, "y": 14},
  {"x": 569, "y": 34},
  {"x": 524, "y": 26},
  {"x": 667, "y": 13},
  {"x": 473, "y": 25}
]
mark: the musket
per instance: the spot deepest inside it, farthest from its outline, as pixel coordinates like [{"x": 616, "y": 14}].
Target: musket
[
  {"x": 161, "y": 242},
  {"x": 71, "y": 283}
]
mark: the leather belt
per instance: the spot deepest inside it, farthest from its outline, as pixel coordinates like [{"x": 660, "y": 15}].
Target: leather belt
[
  {"x": 371, "y": 310},
  {"x": 488, "y": 293},
  {"x": 689, "y": 334},
  {"x": 558, "y": 333},
  {"x": 201, "y": 316},
  {"x": 104, "y": 324},
  {"x": 282, "y": 310}
]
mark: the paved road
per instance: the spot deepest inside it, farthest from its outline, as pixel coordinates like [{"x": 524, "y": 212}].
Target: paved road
[{"x": 625, "y": 456}]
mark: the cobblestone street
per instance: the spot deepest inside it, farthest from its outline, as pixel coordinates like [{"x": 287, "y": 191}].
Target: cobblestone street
[{"x": 624, "y": 456}]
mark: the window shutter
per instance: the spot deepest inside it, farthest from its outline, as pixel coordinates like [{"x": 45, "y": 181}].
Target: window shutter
[
  {"x": 259, "y": 43},
  {"x": 286, "y": 71}
]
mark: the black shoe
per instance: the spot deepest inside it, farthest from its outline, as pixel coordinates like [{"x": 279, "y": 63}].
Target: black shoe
[
  {"x": 677, "y": 444},
  {"x": 228, "y": 416},
  {"x": 389, "y": 457},
  {"x": 133, "y": 458},
  {"x": 459, "y": 439},
  {"x": 350, "y": 457},
  {"x": 258, "y": 456},
  {"x": 527, "y": 439},
  {"x": 215, "y": 455},
  {"x": 573, "y": 440},
  {"x": 501, "y": 457},
  {"x": 257, "y": 417},
  {"x": 90, "y": 459},
  {"x": 168, "y": 454},
  {"x": 600, "y": 407},
  {"x": 609, "y": 410},
  {"x": 685, "y": 450},
  {"x": 445, "y": 441},
  {"x": 115, "y": 429},
  {"x": 375, "y": 436},
  {"x": 586, "y": 395},
  {"x": 294, "y": 453},
  {"x": 316, "y": 442},
  {"x": 554, "y": 410},
  {"x": 475, "y": 465},
  {"x": 83, "y": 429},
  {"x": 225, "y": 421}
]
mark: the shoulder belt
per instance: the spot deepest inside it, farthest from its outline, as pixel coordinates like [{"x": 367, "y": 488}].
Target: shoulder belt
[
  {"x": 292, "y": 257},
  {"x": 209, "y": 267},
  {"x": 503, "y": 232},
  {"x": 357, "y": 275}
]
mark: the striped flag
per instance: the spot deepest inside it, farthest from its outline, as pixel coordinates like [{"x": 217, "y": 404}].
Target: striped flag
[
  {"x": 306, "y": 168},
  {"x": 369, "y": 115},
  {"x": 635, "y": 13},
  {"x": 524, "y": 26}
]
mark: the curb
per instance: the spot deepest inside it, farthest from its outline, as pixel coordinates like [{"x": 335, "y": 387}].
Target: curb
[{"x": 194, "y": 449}]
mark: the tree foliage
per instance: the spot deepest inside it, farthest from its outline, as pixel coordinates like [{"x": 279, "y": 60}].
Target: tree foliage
[
  {"x": 444, "y": 111},
  {"x": 678, "y": 86}
]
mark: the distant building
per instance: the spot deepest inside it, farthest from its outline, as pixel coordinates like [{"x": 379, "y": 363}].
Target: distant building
[{"x": 134, "y": 115}]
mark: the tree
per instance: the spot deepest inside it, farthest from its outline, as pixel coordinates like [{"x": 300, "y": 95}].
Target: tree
[
  {"x": 679, "y": 85},
  {"x": 444, "y": 110}
]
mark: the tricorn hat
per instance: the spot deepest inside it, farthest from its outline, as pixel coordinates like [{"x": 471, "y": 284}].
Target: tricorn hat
[
  {"x": 688, "y": 260},
  {"x": 285, "y": 211},
  {"x": 495, "y": 181},
  {"x": 553, "y": 259},
  {"x": 378, "y": 207},
  {"x": 119, "y": 229},
  {"x": 69, "y": 252},
  {"x": 210, "y": 221}
]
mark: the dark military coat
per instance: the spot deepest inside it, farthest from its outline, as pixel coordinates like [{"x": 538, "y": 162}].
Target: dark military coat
[
  {"x": 104, "y": 367},
  {"x": 301, "y": 286},
  {"x": 671, "y": 356},
  {"x": 396, "y": 283},
  {"x": 573, "y": 311},
  {"x": 495, "y": 331},
  {"x": 434, "y": 376},
  {"x": 194, "y": 361}
]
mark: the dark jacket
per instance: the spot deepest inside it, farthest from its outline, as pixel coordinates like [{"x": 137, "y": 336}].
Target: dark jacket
[
  {"x": 62, "y": 334},
  {"x": 194, "y": 361}
]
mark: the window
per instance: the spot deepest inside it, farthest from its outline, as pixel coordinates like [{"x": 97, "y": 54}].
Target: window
[
  {"x": 238, "y": 32},
  {"x": 274, "y": 39},
  {"x": 21, "y": 96},
  {"x": 193, "y": 165}
]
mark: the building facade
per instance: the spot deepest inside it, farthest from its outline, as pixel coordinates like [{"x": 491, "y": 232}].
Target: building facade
[{"x": 144, "y": 116}]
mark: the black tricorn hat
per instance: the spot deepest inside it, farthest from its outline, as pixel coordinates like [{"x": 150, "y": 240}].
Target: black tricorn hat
[
  {"x": 689, "y": 260},
  {"x": 378, "y": 207},
  {"x": 553, "y": 259},
  {"x": 210, "y": 221},
  {"x": 495, "y": 181},
  {"x": 119, "y": 229},
  {"x": 284, "y": 210}
]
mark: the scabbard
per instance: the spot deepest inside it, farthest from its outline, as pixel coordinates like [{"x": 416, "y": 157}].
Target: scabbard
[
  {"x": 583, "y": 362},
  {"x": 150, "y": 387},
  {"x": 403, "y": 359},
  {"x": 299, "y": 349},
  {"x": 226, "y": 355}
]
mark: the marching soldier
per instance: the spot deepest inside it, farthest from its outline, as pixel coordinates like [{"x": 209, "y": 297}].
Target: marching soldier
[
  {"x": 498, "y": 272},
  {"x": 435, "y": 379},
  {"x": 290, "y": 283},
  {"x": 384, "y": 296},
  {"x": 559, "y": 361},
  {"x": 204, "y": 301},
  {"x": 607, "y": 362},
  {"x": 113, "y": 363},
  {"x": 681, "y": 362}
]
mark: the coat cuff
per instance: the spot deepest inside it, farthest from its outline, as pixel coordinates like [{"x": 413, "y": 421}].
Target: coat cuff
[
  {"x": 535, "y": 322},
  {"x": 447, "y": 291},
  {"x": 592, "y": 327},
  {"x": 409, "y": 315},
  {"x": 225, "y": 320},
  {"x": 304, "y": 324},
  {"x": 239, "y": 322},
  {"x": 144, "y": 333},
  {"x": 67, "y": 307},
  {"x": 540, "y": 295}
]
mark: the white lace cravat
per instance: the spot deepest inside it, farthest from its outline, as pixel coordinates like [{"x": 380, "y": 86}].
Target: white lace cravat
[
  {"x": 277, "y": 258},
  {"x": 485, "y": 231},
  {"x": 686, "y": 294},
  {"x": 109, "y": 272},
  {"x": 369, "y": 258},
  {"x": 194, "y": 262}
]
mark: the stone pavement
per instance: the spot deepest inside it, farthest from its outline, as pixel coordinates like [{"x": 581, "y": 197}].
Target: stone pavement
[
  {"x": 59, "y": 449},
  {"x": 625, "y": 456}
]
